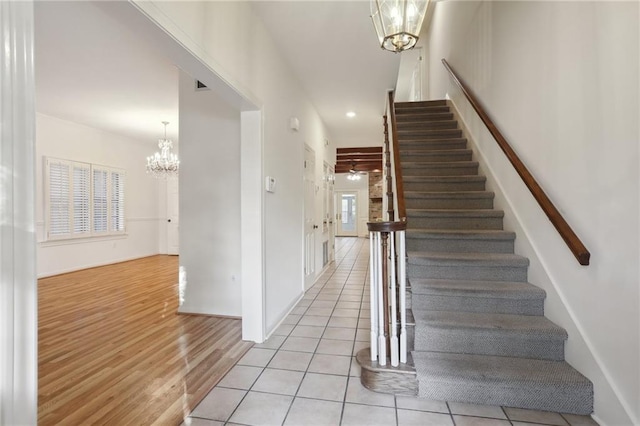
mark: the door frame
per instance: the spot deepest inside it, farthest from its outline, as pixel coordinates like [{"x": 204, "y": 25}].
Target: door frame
[{"x": 338, "y": 215}]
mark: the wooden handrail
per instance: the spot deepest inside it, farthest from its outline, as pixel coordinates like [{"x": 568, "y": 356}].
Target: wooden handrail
[
  {"x": 570, "y": 238},
  {"x": 402, "y": 211}
]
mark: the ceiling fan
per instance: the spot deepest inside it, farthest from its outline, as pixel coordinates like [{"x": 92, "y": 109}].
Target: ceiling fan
[{"x": 353, "y": 173}]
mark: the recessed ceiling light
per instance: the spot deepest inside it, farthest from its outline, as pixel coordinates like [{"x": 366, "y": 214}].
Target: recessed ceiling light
[{"x": 351, "y": 114}]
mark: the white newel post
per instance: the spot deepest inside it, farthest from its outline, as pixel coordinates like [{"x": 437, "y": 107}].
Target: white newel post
[
  {"x": 18, "y": 289},
  {"x": 373, "y": 294}
]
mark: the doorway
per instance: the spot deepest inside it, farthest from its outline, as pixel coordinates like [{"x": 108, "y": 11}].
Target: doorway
[
  {"x": 173, "y": 218},
  {"x": 309, "y": 216},
  {"x": 347, "y": 214}
]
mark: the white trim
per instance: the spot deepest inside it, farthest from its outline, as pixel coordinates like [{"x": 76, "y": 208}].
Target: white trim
[
  {"x": 18, "y": 289},
  {"x": 93, "y": 265}
]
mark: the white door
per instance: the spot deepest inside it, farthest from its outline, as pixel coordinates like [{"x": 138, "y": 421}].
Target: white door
[
  {"x": 173, "y": 219},
  {"x": 330, "y": 215},
  {"x": 309, "y": 216},
  {"x": 347, "y": 214}
]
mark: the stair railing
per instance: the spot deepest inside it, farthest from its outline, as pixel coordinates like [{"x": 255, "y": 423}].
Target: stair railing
[
  {"x": 388, "y": 277},
  {"x": 570, "y": 238}
]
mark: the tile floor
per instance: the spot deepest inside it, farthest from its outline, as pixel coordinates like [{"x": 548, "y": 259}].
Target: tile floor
[{"x": 306, "y": 373}]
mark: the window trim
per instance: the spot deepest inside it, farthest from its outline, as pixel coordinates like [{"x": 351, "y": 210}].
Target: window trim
[{"x": 91, "y": 233}]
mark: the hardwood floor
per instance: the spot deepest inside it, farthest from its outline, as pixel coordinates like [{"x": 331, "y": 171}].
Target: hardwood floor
[{"x": 112, "y": 350}]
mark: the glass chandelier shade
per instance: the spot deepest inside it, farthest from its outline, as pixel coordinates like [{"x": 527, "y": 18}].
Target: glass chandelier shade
[
  {"x": 398, "y": 22},
  {"x": 163, "y": 164},
  {"x": 353, "y": 176}
]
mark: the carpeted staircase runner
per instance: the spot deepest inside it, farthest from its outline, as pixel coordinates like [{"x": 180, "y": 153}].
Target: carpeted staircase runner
[{"x": 480, "y": 333}]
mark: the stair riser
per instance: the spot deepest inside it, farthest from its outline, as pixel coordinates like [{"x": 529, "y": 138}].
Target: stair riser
[
  {"x": 444, "y": 186},
  {"x": 434, "y": 156},
  {"x": 433, "y": 145},
  {"x": 426, "y": 125},
  {"x": 455, "y": 222},
  {"x": 467, "y": 272},
  {"x": 422, "y": 110},
  {"x": 546, "y": 397},
  {"x": 419, "y": 118},
  {"x": 449, "y": 203},
  {"x": 426, "y": 170},
  {"x": 428, "y": 134},
  {"x": 495, "y": 343},
  {"x": 478, "y": 304},
  {"x": 421, "y": 104},
  {"x": 466, "y": 245}
]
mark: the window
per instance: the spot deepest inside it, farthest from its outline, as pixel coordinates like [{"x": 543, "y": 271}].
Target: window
[{"x": 83, "y": 200}]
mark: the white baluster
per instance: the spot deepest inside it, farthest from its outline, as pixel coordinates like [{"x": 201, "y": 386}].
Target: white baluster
[
  {"x": 402, "y": 265},
  {"x": 373, "y": 296},
  {"x": 382, "y": 344},
  {"x": 392, "y": 300}
]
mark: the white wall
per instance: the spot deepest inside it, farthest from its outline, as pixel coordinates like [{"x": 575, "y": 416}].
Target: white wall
[
  {"x": 234, "y": 45},
  {"x": 362, "y": 188},
  {"x": 560, "y": 79},
  {"x": 71, "y": 141},
  {"x": 209, "y": 201}
]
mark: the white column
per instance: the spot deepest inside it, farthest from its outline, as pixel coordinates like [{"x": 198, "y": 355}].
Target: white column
[{"x": 18, "y": 289}]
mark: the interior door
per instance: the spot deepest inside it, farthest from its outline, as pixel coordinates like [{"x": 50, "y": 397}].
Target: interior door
[
  {"x": 330, "y": 210},
  {"x": 309, "y": 216},
  {"x": 173, "y": 218},
  {"x": 347, "y": 215}
]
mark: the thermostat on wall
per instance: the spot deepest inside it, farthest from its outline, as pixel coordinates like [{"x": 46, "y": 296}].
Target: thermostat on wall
[{"x": 270, "y": 184}]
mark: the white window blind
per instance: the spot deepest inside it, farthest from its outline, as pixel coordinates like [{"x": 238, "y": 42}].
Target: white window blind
[
  {"x": 83, "y": 199},
  {"x": 100, "y": 197},
  {"x": 117, "y": 201}
]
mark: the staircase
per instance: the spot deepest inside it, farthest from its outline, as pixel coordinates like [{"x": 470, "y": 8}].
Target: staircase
[{"x": 480, "y": 332}]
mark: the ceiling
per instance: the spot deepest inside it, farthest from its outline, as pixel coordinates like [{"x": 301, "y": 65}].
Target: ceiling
[{"x": 111, "y": 79}]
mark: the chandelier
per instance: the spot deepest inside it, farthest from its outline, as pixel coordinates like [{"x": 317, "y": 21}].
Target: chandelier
[
  {"x": 163, "y": 164},
  {"x": 353, "y": 174},
  {"x": 398, "y": 22}
]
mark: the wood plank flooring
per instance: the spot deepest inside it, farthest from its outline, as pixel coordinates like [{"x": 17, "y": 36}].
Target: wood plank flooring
[{"x": 113, "y": 351}]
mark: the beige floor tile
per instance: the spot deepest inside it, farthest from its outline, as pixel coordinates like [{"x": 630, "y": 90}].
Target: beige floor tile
[
  {"x": 219, "y": 404},
  {"x": 194, "y": 421},
  {"x": 313, "y": 320},
  {"x": 330, "y": 364},
  {"x": 240, "y": 377},
  {"x": 262, "y": 409},
  {"x": 335, "y": 347},
  {"x": 477, "y": 410},
  {"x": 273, "y": 342},
  {"x": 300, "y": 344},
  {"x": 336, "y": 333},
  {"x": 534, "y": 416},
  {"x": 323, "y": 386},
  {"x": 343, "y": 322},
  {"x": 358, "y": 394},
  {"x": 367, "y": 415},
  {"x": 423, "y": 418},
  {"x": 313, "y": 412},
  {"x": 479, "y": 421},
  {"x": 576, "y": 420},
  {"x": 307, "y": 331},
  {"x": 284, "y": 382},
  {"x": 421, "y": 404},
  {"x": 257, "y": 357},
  {"x": 286, "y": 360}
]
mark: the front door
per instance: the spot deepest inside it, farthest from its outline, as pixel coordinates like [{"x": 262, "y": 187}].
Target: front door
[{"x": 347, "y": 216}]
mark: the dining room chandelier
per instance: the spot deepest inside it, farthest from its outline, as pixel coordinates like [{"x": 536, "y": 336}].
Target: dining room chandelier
[
  {"x": 398, "y": 22},
  {"x": 163, "y": 164}
]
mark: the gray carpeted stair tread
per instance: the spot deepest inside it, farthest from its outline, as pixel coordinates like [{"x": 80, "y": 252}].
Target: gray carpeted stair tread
[
  {"x": 529, "y": 326},
  {"x": 488, "y": 234},
  {"x": 506, "y": 381},
  {"x": 458, "y": 259},
  {"x": 419, "y": 144},
  {"x": 447, "y": 179},
  {"x": 423, "y": 125},
  {"x": 449, "y": 194},
  {"x": 436, "y": 165},
  {"x": 460, "y": 213},
  {"x": 412, "y": 134},
  {"x": 479, "y": 289},
  {"x": 436, "y": 116}
]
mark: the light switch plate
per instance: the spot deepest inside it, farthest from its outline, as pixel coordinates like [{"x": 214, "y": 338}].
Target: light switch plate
[{"x": 270, "y": 184}]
